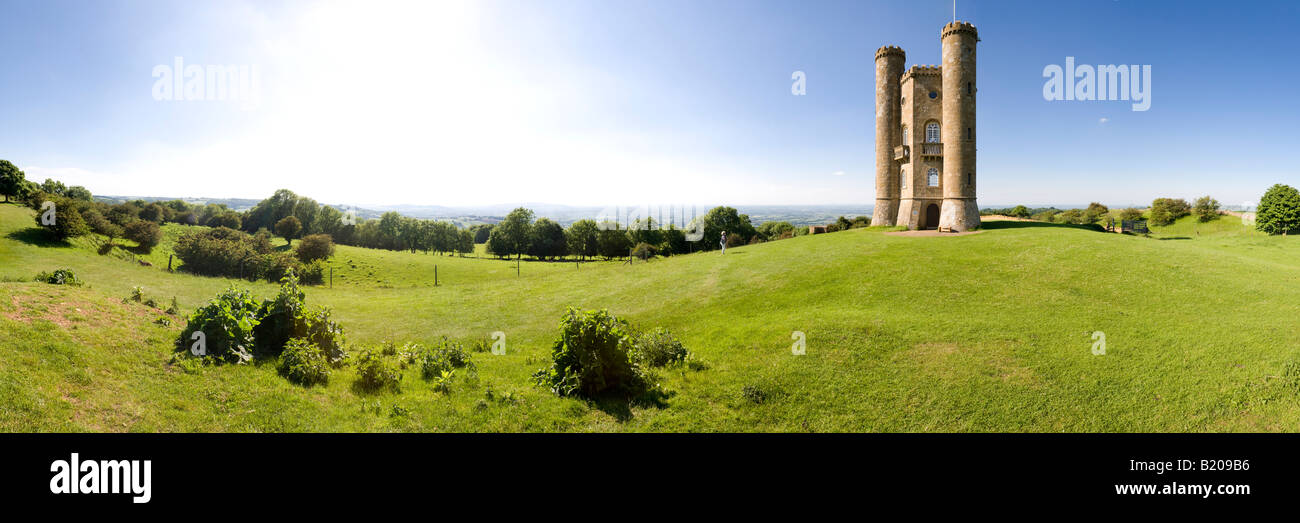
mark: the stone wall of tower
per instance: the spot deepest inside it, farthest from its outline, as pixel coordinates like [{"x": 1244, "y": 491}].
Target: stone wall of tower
[
  {"x": 889, "y": 67},
  {"x": 922, "y": 104},
  {"x": 960, "y": 211}
]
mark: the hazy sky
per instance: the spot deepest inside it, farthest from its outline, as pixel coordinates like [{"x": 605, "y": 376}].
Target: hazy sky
[{"x": 614, "y": 101}]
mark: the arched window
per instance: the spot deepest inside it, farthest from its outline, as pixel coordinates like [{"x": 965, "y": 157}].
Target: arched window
[
  {"x": 904, "y": 135},
  {"x": 932, "y": 132},
  {"x": 902, "y": 178},
  {"x": 933, "y": 177}
]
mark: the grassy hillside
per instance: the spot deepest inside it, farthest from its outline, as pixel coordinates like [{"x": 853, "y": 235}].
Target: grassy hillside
[{"x": 984, "y": 332}]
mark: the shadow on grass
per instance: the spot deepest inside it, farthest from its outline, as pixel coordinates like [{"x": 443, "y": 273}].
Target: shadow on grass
[
  {"x": 1175, "y": 238},
  {"x": 1007, "y": 224},
  {"x": 620, "y": 405},
  {"x": 38, "y": 237}
]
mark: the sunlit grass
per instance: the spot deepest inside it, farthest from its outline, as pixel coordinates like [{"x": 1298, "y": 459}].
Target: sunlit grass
[{"x": 986, "y": 332}]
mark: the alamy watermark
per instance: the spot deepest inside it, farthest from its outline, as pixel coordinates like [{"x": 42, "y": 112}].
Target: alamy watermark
[
  {"x": 1098, "y": 343},
  {"x": 1102, "y": 83},
  {"x": 177, "y": 82},
  {"x": 648, "y": 217}
]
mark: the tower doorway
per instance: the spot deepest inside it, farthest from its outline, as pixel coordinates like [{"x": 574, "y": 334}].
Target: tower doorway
[{"x": 932, "y": 216}]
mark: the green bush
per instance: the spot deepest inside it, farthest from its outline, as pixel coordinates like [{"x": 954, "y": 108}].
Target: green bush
[
  {"x": 376, "y": 371},
  {"x": 287, "y": 317},
  {"x": 1165, "y": 211},
  {"x": 1130, "y": 214},
  {"x": 59, "y": 277},
  {"x": 1279, "y": 210},
  {"x": 591, "y": 357},
  {"x": 144, "y": 233},
  {"x": 315, "y": 247},
  {"x": 442, "y": 359},
  {"x": 658, "y": 348},
  {"x": 227, "y": 323},
  {"x": 304, "y": 363},
  {"x": 68, "y": 222},
  {"x": 1206, "y": 209}
]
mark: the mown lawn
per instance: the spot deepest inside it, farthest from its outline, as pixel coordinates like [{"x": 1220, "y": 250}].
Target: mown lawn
[{"x": 986, "y": 332}]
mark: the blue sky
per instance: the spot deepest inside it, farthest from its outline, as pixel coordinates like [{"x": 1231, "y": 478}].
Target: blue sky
[{"x": 609, "y": 102}]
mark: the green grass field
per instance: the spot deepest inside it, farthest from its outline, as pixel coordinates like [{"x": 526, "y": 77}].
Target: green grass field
[{"x": 983, "y": 332}]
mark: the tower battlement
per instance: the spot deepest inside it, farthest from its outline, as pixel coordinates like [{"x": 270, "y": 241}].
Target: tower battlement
[
  {"x": 959, "y": 27},
  {"x": 924, "y": 70},
  {"x": 888, "y": 50}
]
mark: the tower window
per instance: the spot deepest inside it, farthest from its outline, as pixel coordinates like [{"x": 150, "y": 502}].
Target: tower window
[
  {"x": 968, "y": 133},
  {"x": 968, "y": 89},
  {"x": 902, "y": 178},
  {"x": 933, "y": 177},
  {"x": 904, "y": 135},
  {"x": 932, "y": 132},
  {"x": 970, "y": 179}
]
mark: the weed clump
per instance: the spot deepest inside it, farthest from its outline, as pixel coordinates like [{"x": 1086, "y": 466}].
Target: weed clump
[
  {"x": 592, "y": 357},
  {"x": 59, "y": 277}
]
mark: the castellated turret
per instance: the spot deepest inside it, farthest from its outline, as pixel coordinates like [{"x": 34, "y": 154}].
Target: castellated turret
[
  {"x": 889, "y": 67},
  {"x": 960, "y": 212},
  {"x": 925, "y": 136}
]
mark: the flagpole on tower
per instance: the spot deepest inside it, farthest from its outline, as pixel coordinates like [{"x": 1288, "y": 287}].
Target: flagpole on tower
[{"x": 954, "y": 10}]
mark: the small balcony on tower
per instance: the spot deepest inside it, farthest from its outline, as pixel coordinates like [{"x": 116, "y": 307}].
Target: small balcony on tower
[
  {"x": 932, "y": 150},
  {"x": 901, "y": 152}
]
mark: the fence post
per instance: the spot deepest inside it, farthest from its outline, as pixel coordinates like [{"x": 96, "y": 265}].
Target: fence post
[
  {"x": 169, "y": 262},
  {"x": 435, "y": 275},
  {"x": 331, "y": 277}
]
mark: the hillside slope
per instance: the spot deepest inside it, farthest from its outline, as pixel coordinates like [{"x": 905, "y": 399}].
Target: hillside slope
[{"x": 986, "y": 332}]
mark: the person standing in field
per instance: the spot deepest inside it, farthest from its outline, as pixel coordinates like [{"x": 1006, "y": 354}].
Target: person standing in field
[{"x": 723, "y": 242}]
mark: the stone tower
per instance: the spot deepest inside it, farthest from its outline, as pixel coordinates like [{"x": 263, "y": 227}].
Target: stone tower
[
  {"x": 960, "y": 212},
  {"x": 925, "y": 142},
  {"x": 889, "y": 66}
]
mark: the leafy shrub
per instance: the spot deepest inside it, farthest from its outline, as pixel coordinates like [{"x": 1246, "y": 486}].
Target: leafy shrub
[
  {"x": 137, "y": 295},
  {"x": 313, "y": 273},
  {"x": 304, "y": 363},
  {"x": 227, "y": 323},
  {"x": 1165, "y": 211},
  {"x": 376, "y": 371},
  {"x": 59, "y": 277},
  {"x": 442, "y": 359},
  {"x": 591, "y": 357},
  {"x": 287, "y": 317},
  {"x": 1094, "y": 212},
  {"x": 100, "y": 225},
  {"x": 658, "y": 348},
  {"x": 215, "y": 252},
  {"x": 68, "y": 222},
  {"x": 143, "y": 232},
  {"x": 288, "y": 228},
  {"x": 1279, "y": 210},
  {"x": 1206, "y": 209},
  {"x": 1130, "y": 214},
  {"x": 315, "y": 247}
]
